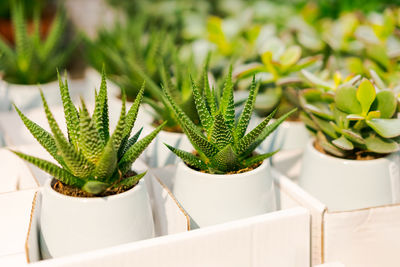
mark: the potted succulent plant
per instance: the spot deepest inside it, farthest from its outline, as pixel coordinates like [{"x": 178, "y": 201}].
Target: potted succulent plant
[
  {"x": 33, "y": 60},
  {"x": 280, "y": 85},
  {"x": 94, "y": 199},
  {"x": 352, "y": 163},
  {"x": 236, "y": 181}
]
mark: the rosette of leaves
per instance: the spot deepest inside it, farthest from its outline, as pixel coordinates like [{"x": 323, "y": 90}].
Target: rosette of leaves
[
  {"x": 90, "y": 158},
  {"x": 355, "y": 119},
  {"x": 277, "y": 72},
  {"x": 222, "y": 144},
  {"x": 34, "y": 59},
  {"x": 131, "y": 51}
]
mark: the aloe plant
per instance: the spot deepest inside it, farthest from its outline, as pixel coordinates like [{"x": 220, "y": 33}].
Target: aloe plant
[
  {"x": 277, "y": 73},
  {"x": 225, "y": 146},
  {"x": 356, "y": 118},
  {"x": 90, "y": 158},
  {"x": 34, "y": 59}
]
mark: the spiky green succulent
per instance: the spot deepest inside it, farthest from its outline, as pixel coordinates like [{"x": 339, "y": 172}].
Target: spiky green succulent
[
  {"x": 355, "y": 118},
  {"x": 34, "y": 59},
  {"x": 222, "y": 144},
  {"x": 90, "y": 158}
]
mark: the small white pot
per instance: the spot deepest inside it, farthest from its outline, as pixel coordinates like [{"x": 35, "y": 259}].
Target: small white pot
[
  {"x": 212, "y": 199},
  {"x": 26, "y": 97},
  {"x": 344, "y": 184},
  {"x": 72, "y": 224}
]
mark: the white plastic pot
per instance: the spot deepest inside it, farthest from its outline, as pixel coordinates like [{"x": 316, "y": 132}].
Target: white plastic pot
[
  {"x": 72, "y": 224},
  {"x": 344, "y": 184},
  {"x": 211, "y": 199},
  {"x": 26, "y": 97}
]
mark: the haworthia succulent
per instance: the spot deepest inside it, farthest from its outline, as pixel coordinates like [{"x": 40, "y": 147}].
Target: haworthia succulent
[
  {"x": 91, "y": 161},
  {"x": 225, "y": 147}
]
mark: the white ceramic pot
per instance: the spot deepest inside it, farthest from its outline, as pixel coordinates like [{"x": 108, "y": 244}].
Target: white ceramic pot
[
  {"x": 344, "y": 184},
  {"x": 71, "y": 224},
  {"x": 158, "y": 155},
  {"x": 26, "y": 97},
  {"x": 212, "y": 199}
]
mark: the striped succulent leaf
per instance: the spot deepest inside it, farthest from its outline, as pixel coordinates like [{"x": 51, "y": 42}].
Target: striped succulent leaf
[
  {"x": 222, "y": 145},
  {"x": 90, "y": 159}
]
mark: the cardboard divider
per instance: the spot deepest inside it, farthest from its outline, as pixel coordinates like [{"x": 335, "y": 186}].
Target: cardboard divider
[
  {"x": 279, "y": 238},
  {"x": 359, "y": 238}
]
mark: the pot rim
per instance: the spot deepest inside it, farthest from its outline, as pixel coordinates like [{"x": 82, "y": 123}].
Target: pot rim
[
  {"x": 259, "y": 169},
  {"x": 310, "y": 147},
  {"x": 49, "y": 189}
]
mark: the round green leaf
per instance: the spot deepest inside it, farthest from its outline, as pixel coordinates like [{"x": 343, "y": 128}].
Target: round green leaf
[
  {"x": 387, "y": 128},
  {"x": 346, "y": 100},
  {"x": 386, "y": 103},
  {"x": 377, "y": 144}
]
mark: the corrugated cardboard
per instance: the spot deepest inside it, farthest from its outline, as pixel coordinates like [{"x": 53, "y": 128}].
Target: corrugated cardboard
[{"x": 359, "y": 238}]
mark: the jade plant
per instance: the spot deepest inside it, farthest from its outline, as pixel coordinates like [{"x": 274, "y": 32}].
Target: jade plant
[
  {"x": 34, "y": 58},
  {"x": 90, "y": 158},
  {"x": 222, "y": 144},
  {"x": 355, "y": 120},
  {"x": 277, "y": 73}
]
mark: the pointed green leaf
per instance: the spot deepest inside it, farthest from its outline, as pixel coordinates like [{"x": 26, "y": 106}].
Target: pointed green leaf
[
  {"x": 70, "y": 112},
  {"x": 221, "y": 135},
  {"x": 130, "y": 142},
  {"x": 250, "y": 137},
  {"x": 74, "y": 160},
  {"x": 225, "y": 160},
  {"x": 42, "y": 136},
  {"x": 100, "y": 114},
  {"x": 258, "y": 158},
  {"x": 118, "y": 134},
  {"x": 244, "y": 118},
  {"x": 130, "y": 181},
  {"x": 209, "y": 94},
  {"x": 134, "y": 151},
  {"x": 189, "y": 158},
  {"x": 204, "y": 114},
  {"x": 227, "y": 105},
  {"x": 107, "y": 163},
  {"x": 59, "y": 173},
  {"x": 89, "y": 142}
]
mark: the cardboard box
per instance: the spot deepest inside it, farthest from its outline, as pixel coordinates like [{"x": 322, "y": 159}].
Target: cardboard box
[
  {"x": 358, "y": 238},
  {"x": 15, "y": 210},
  {"x": 15, "y": 173},
  {"x": 279, "y": 238}
]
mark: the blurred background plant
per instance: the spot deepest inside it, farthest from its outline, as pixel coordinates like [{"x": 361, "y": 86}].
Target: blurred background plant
[{"x": 35, "y": 56}]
